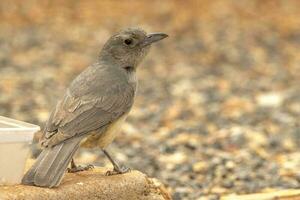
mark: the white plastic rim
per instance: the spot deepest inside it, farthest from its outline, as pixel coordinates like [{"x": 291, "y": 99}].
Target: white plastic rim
[{"x": 12, "y": 130}]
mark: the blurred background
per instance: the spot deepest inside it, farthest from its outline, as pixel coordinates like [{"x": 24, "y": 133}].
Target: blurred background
[{"x": 218, "y": 107}]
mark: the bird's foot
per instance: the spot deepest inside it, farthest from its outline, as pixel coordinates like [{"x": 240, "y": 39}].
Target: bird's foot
[
  {"x": 118, "y": 170},
  {"x": 80, "y": 168}
]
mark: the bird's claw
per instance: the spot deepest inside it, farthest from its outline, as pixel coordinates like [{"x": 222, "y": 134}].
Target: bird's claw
[
  {"x": 89, "y": 166},
  {"x": 80, "y": 168},
  {"x": 119, "y": 170}
]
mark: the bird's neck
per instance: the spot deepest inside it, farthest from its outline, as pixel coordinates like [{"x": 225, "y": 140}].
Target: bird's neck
[{"x": 117, "y": 62}]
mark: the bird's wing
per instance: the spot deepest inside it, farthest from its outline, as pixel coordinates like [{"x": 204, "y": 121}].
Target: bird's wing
[{"x": 77, "y": 115}]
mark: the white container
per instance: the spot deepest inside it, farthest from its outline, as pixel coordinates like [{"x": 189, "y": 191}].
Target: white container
[{"x": 15, "y": 140}]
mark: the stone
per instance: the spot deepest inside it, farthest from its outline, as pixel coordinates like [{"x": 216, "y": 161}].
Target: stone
[
  {"x": 272, "y": 99},
  {"x": 92, "y": 185}
]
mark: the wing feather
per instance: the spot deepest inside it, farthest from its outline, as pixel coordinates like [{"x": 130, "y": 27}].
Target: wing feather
[{"x": 77, "y": 114}]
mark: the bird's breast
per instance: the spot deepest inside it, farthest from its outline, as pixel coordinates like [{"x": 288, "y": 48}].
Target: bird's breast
[
  {"x": 104, "y": 137},
  {"x": 132, "y": 78}
]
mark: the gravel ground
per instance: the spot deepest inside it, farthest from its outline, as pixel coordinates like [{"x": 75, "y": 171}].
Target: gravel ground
[{"x": 218, "y": 107}]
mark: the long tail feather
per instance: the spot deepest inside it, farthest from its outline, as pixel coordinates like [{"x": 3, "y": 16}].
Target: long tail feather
[{"x": 49, "y": 168}]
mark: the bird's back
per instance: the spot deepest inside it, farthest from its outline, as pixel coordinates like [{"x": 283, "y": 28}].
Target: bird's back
[{"x": 99, "y": 95}]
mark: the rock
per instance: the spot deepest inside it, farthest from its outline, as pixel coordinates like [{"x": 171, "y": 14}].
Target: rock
[
  {"x": 93, "y": 185},
  {"x": 272, "y": 99},
  {"x": 171, "y": 160},
  {"x": 200, "y": 167}
]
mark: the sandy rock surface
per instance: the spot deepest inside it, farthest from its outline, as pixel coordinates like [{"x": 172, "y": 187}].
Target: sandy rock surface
[{"x": 92, "y": 185}]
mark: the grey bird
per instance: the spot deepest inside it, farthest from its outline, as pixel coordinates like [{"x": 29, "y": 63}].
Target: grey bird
[{"x": 93, "y": 108}]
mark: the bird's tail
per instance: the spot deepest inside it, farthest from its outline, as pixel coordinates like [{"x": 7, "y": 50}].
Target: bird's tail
[{"x": 49, "y": 168}]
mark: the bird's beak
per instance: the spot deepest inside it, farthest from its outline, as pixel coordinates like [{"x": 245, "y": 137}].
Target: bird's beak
[{"x": 153, "y": 37}]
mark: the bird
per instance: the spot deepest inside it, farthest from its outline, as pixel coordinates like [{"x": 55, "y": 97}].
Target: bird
[{"x": 93, "y": 108}]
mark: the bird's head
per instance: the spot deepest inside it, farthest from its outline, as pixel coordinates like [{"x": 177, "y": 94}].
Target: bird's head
[{"x": 129, "y": 46}]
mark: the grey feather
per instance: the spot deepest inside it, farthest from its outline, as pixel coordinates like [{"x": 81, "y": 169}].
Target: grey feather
[
  {"x": 51, "y": 164},
  {"x": 96, "y": 98},
  {"x": 83, "y": 110},
  {"x": 74, "y": 117}
]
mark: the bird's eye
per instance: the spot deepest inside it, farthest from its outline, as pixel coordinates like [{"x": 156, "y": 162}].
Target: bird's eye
[{"x": 128, "y": 41}]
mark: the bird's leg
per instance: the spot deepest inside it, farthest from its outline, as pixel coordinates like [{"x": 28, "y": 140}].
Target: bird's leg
[
  {"x": 77, "y": 168},
  {"x": 117, "y": 169}
]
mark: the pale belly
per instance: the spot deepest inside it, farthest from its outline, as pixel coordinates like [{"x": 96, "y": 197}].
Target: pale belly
[{"x": 102, "y": 140}]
